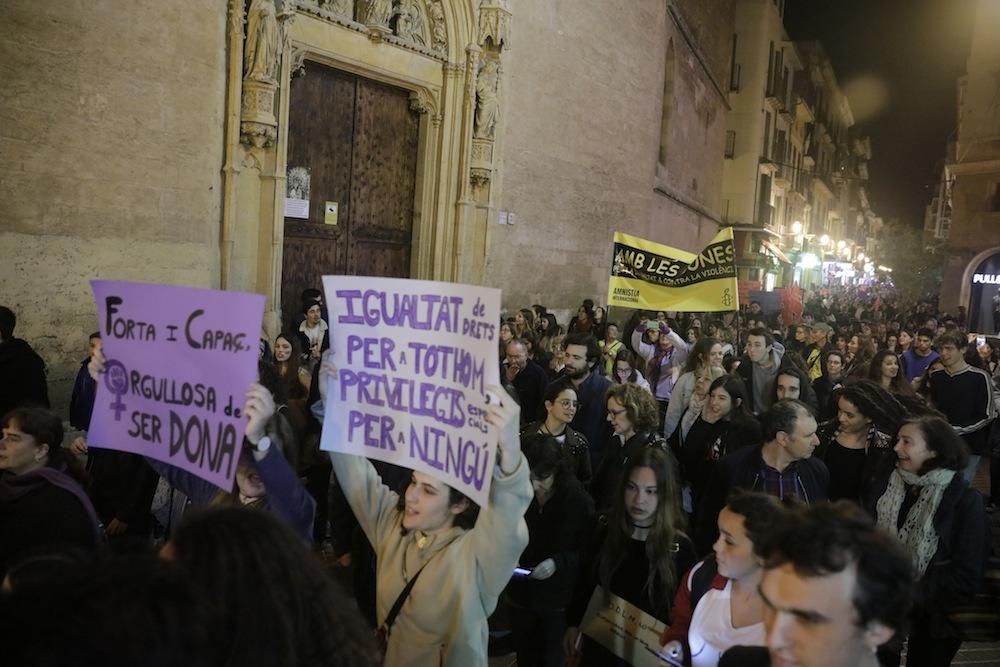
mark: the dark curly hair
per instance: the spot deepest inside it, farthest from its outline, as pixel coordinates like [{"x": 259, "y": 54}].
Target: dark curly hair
[
  {"x": 825, "y": 539},
  {"x": 875, "y": 403}
]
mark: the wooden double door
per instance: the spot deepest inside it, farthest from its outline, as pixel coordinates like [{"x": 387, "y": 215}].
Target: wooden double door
[{"x": 358, "y": 139}]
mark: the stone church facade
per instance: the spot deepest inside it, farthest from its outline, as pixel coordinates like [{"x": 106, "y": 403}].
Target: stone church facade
[{"x": 256, "y": 145}]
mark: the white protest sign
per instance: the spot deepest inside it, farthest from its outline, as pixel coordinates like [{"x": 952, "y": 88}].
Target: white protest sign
[
  {"x": 624, "y": 629},
  {"x": 414, "y": 358}
]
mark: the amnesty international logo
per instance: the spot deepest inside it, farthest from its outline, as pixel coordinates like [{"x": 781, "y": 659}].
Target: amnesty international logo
[{"x": 727, "y": 297}]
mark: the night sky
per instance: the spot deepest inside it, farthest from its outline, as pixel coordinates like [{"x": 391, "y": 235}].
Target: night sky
[{"x": 898, "y": 61}]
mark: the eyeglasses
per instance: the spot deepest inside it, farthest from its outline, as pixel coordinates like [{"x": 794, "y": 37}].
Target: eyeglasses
[
  {"x": 615, "y": 413},
  {"x": 568, "y": 403}
]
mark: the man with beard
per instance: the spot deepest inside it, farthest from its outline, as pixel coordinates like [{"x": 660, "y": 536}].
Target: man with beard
[{"x": 582, "y": 355}]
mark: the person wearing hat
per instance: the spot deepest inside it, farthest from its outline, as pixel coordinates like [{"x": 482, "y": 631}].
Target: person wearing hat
[{"x": 821, "y": 332}]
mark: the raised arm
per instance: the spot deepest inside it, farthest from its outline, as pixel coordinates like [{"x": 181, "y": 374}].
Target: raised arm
[
  {"x": 373, "y": 504},
  {"x": 500, "y": 534}
]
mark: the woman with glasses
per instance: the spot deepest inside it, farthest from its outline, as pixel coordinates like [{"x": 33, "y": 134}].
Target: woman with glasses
[
  {"x": 634, "y": 418},
  {"x": 561, "y": 404},
  {"x": 626, "y": 371}
]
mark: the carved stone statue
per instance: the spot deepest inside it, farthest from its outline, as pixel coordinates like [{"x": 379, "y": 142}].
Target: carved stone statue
[
  {"x": 263, "y": 46},
  {"x": 409, "y": 22},
  {"x": 487, "y": 104},
  {"x": 342, "y": 7},
  {"x": 439, "y": 32},
  {"x": 375, "y": 12}
]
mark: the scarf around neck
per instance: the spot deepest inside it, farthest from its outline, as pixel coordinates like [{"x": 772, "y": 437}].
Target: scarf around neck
[{"x": 917, "y": 532}]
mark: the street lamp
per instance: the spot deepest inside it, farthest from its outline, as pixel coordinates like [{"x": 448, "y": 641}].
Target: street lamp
[
  {"x": 841, "y": 245},
  {"x": 796, "y": 228},
  {"x": 861, "y": 256},
  {"x": 824, "y": 240}
]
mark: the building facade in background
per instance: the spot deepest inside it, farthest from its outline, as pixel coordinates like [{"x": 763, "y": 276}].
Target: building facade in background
[
  {"x": 257, "y": 145},
  {"x": 972, "y": 246}
]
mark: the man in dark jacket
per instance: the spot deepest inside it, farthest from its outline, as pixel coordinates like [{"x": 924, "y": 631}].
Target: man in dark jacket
[
  {"x": 583, "y": 355},
  {"x": 527, "y": 378},
  {"x": 781, "y": 467},
  {"x": 759, "y": 367},
  {"x": 22, "y": 371}
]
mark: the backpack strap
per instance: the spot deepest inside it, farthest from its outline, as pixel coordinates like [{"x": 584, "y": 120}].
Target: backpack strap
[
  {"x": 398, "y": 604},
  {"x": 701, "y": 579}
]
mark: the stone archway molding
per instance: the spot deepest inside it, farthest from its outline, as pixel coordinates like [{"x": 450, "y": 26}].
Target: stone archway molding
[
  {"x": 965, "y": 290},
  {"x": 447, "y": 53}
]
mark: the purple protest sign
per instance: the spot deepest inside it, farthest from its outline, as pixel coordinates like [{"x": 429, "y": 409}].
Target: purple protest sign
[
  {"x": 414, "y": 358},
  {"x": 179, "y": 363}
]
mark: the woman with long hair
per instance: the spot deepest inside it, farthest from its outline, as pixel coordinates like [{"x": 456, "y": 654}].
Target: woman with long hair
[
  {"x": 724, "y": 425},
  {"x": 559, "y": 521},
  {"x": 639, "y": 551},
  {"x": 927, "y": 504},
  {"x": 857, "y": 445},
  {"x": 634, "y": 418},
  {"x": 718, "y": 603},
  {"x": 43, "y": 507},
  {"x": 885, "y": 371},
  {"x": 860, "y": 350},
  {"x": 463, "y": 554},
  {"x": 524, "y": 321},
  {"x": 706, "y": 353},
  {"x": 561, "y": 403},
  {"x": 287, "y": 356}
]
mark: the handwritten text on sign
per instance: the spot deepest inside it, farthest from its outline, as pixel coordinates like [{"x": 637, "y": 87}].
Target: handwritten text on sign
[
  {"x": 414, "y": 358},
  {"x": 179, "y": 362}
]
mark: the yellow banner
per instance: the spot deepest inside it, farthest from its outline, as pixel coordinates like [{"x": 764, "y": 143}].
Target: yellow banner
[{"x": 652, "y": 276}]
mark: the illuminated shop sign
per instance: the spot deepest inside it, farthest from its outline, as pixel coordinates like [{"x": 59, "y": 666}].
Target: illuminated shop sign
[{"x": 986, "y": 278}]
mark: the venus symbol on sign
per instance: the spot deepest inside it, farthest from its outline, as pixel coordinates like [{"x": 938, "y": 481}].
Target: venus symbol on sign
[{"x": 116, "y": 380}]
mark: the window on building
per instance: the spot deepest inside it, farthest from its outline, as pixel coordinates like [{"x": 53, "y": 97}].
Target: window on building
[
  {"x": 765, "y": 150},
  {"x": 668, "y": 102},
  {"x": 730, "y": 144},
  {"x": 994, "y": 204},
  {"x": 770, "y": 68},
  {"x": 734, "y": 68}
]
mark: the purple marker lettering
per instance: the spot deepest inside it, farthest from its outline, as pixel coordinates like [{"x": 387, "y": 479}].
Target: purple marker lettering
[{"x": 349, "y": 297}]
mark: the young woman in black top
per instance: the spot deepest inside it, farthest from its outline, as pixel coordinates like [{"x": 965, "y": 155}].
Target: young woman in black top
[
  {"x": 725, "y": 424},
  {"x": 559, "y": 521},
  {"x": 857, "y": 445},
  {"x": 639, "y": 552}
]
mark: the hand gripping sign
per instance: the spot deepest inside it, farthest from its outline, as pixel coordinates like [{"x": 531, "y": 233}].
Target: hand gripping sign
[
  {"x": 414, "y": 358},
  {"x": 179, "y": 362}
]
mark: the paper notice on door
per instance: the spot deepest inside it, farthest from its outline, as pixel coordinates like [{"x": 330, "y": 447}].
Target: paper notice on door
[
  {"x": 330, "y": 213},
  {"x": 297, "y": 208}
]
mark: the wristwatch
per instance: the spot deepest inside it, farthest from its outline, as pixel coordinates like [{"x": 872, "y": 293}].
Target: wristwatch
[{"x": 262, "y": 445}]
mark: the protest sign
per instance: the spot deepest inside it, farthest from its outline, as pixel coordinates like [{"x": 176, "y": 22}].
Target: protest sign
[
  {"x": 624, "y": 629},
  {"x": 179, "y": 363},
  {"x": 653, "y": 276},
  {"x": 414, "y": 358}
]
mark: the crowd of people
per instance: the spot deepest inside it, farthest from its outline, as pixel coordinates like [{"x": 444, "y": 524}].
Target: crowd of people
[{"x": 773, "y": 488}]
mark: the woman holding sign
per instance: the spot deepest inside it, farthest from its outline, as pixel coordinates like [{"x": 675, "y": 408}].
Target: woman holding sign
[
  {"x": 640, "y": 552},
  {"x": 264, "y": 478},
  {"x": 464, "y": 556}
]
